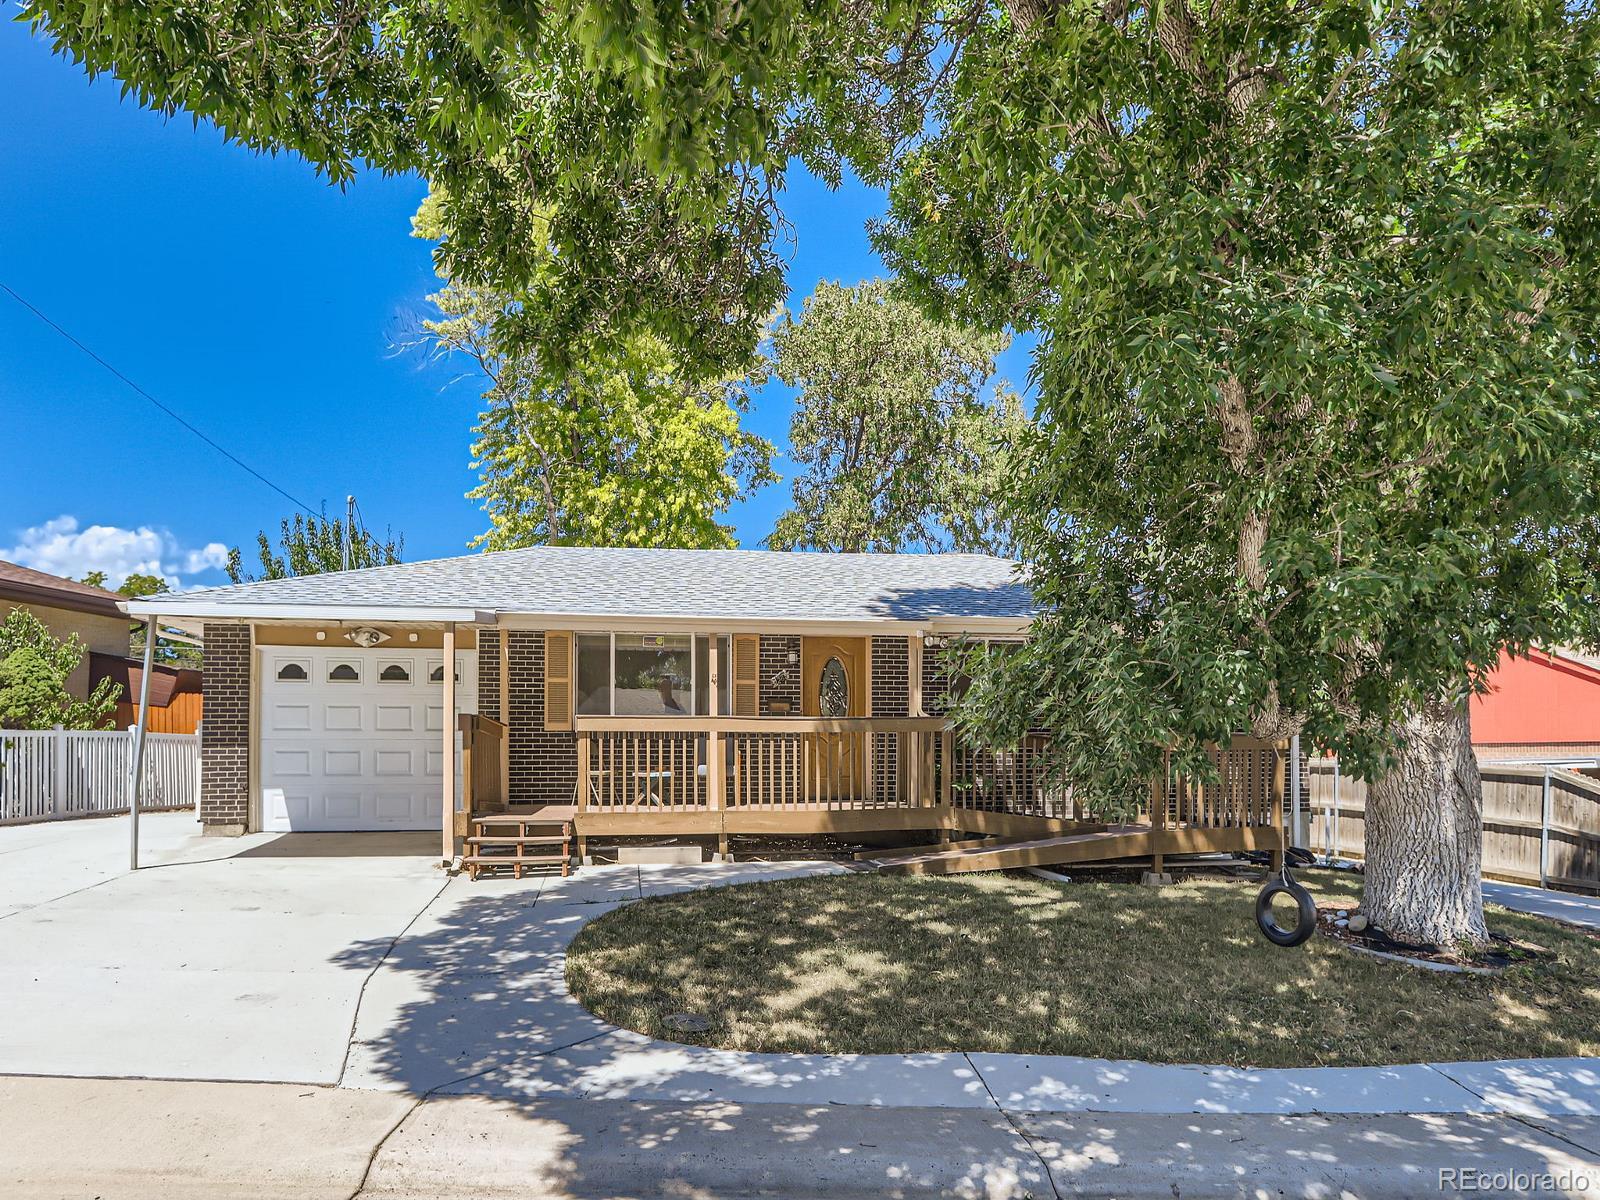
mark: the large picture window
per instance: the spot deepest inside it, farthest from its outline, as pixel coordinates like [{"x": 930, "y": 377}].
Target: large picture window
[{"x": 648, "y": 675}]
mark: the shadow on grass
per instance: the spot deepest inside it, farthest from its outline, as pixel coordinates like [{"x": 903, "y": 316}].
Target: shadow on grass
[
  {"x": 1013, "y": 964},
  {"x": 469, "y": 1008}
]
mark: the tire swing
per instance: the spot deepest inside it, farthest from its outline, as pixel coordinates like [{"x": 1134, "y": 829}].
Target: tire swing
[{"x": 1306, "y": 910}]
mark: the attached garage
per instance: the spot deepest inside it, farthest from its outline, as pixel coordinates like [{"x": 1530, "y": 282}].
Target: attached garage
[{"x": 351, "y": 739}]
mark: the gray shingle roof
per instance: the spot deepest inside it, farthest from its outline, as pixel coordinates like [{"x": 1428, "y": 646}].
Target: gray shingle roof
[{"x": 733, "y": 584}]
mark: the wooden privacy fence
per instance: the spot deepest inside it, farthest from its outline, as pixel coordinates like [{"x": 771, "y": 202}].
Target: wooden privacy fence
[
  {"x": 1541, "y": 824},
  {"x": 51, "y": 773}
]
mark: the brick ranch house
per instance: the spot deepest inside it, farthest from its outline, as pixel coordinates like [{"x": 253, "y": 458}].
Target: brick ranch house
[{"x": 629, "y": 693}]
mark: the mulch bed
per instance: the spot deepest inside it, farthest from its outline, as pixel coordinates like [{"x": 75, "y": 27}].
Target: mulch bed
[{"x": 1504, "y": 952}]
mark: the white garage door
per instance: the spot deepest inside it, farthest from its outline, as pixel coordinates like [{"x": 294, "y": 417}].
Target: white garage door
[{"x": 350, "y": 739}]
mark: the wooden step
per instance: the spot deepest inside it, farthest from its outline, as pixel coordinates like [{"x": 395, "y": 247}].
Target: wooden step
[
  {"x": 476, "y": 864},
  {"x": 479, "y": 839}
]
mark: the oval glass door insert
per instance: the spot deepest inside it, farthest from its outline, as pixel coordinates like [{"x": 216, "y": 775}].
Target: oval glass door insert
[{"x": 833, "y": 690}]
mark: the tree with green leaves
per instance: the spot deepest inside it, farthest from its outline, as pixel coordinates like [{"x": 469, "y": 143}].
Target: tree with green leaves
[
  {"x": 35, "y": 667},
  {"x": 618, "y": 449},
  {"x": 900, "y": 446},
  {"x": 1314, "y": 286},
  {"x": 313, "y": 546}
]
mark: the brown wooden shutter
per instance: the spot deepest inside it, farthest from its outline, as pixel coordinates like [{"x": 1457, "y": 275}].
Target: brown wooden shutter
[
  {"x": 557, "y": 680},
  {"x": 746, "y": 676}
]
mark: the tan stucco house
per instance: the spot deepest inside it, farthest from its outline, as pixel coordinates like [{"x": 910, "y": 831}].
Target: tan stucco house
[{"x": 68, "y": 607}]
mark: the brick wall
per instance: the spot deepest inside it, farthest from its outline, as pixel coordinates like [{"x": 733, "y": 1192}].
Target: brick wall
[
  {"x": 489, "y": 674},
  {"x": 936, "y": 682},
  {"x": 891, "y": 677},
  {"x": 225, "y": 730},
  {"x": 780, "y": 680},
  {"x": 544, "y": 764},
  {"x": 891, "y": 697}
]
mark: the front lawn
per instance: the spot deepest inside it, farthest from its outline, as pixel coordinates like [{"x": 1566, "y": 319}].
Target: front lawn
[{"x": 1013, "y": 963}]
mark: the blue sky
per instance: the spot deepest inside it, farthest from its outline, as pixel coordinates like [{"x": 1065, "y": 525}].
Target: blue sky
[{"x": 264, "y": 306}]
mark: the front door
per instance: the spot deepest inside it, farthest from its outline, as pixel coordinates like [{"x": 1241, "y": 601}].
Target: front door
[{"x": 834, "y": 684}]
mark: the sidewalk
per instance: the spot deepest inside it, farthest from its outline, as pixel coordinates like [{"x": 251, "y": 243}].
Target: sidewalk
[
  {"x": 1563, "y": 906},
  {"x": 132, "y": 1140}
]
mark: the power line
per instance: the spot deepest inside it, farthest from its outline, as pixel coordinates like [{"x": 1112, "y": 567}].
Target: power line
[{"x": 222, "y": 450}]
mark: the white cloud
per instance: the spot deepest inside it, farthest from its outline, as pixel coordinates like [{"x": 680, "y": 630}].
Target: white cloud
[{"x": 62, "y": 548}]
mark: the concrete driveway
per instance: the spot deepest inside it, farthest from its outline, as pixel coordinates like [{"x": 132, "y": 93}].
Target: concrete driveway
[
  {"x": 239, "y": 959},
  {"x": 290, "y": 958}
]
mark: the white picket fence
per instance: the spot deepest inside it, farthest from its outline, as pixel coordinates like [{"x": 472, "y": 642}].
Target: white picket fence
[{"x": 51, "y": 773}]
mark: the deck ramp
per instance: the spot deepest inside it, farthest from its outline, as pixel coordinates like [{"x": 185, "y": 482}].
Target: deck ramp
[{"x": 1118, "y": 841}]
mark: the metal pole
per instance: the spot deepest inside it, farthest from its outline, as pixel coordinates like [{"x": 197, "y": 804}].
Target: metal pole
[
  {"x": 1294, "y": 790},
  {"x": 1334, "y": 815},
  {"x": 1544, "y": 834},
  {"x": 349, "y": 527},
  {"x": 448, "y": 826},
  {"x": 136, "y": 771}
]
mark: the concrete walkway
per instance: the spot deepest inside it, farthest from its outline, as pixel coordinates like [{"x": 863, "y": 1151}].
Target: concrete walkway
[
  {"x": 133, "y": 1139},
  {"x": 1583, "y": 911}
]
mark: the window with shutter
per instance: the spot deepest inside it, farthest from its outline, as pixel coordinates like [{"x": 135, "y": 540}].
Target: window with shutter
[
  {"x": 558, "y": 681},
  {"x": 746, "y": 676}
]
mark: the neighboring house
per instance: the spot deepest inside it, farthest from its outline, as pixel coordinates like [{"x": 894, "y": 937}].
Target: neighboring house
[
  {"x": 176, "y": 700},
  {"x": 68, "y": 607},
  {"x": 1543, "y": 707},
  {"x": 96, "y": 616},
  {"x": 626, "y": 693}
]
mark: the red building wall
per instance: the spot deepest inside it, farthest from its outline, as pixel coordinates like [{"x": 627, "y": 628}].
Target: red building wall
[{"x": 1540, "y": 700}]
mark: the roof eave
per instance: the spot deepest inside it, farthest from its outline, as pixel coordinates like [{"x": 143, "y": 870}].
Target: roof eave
[
  {"x": 48, "y": 597},
  {"x": 199, "y": 609}
]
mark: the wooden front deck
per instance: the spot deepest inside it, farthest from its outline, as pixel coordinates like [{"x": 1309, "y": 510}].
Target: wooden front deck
[{"x": 798, "y": 776}]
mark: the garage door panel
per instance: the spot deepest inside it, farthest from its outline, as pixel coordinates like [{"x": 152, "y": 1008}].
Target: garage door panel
[
  {"x": 289, "y": 763},
  {"x": 341, "y": 806},
  {"x": 343, "y": 718},
  {"x": 395, "y": 807},
  {"x": 394, "y": 761},
  {"x": 348, "y": 754},
  {"x": 288, "y": 718},
  {"x": 394, "y": 718},
  {"x": 342, "y": 764}
]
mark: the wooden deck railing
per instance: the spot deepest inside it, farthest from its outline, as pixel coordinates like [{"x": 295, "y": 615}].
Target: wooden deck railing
[
  {"x": 484, "y": 787},
  {"x": 1009, "y": 780},
  {"x": 794, "y": 764},
  {"x": 677, "y": 764},
  {"x": 1248, "y": 791}
]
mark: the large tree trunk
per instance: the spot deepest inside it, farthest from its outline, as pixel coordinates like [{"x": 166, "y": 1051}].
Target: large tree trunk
[{"x": 1424, "y": 834}]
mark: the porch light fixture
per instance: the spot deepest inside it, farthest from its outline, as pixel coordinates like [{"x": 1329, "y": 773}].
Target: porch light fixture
[{"x": 367, "y": 637}]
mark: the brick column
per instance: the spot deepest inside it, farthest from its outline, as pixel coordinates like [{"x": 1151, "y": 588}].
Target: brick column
[
  {"x": 891, "y": 697},
  {"x": 225, "y": 731},
  {"x": 544, "y": 763}
]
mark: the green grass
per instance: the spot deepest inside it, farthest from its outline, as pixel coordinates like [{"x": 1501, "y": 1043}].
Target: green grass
[{"x": 885, "y": 964}]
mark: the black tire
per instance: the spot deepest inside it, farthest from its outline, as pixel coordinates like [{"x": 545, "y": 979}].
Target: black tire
[{"x": 1270, "y": 929}]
